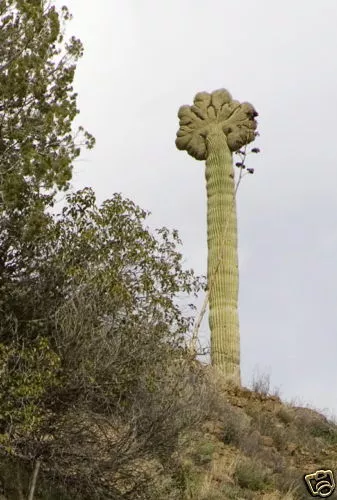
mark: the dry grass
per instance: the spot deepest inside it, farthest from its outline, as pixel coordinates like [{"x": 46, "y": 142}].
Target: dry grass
[
  {"x": 252, "y": 446},
  {"x": 258, "y": 448}
]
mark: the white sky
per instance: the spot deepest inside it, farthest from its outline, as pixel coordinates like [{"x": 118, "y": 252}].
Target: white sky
[{"x": 142, "y": 61}]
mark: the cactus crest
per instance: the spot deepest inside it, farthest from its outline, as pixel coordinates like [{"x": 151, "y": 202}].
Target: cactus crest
[{"x": 215, "y": 112}]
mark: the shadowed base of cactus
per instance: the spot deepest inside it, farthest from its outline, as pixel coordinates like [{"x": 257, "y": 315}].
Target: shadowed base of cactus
[
  {"x": 228, "y": 370},
  {"x": 224, "y": 380}
]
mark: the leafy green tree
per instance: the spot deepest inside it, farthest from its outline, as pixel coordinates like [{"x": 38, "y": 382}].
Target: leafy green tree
[
  {"x": 37, "y": 110},
  {"x": 212, "y": 129},
  {"x": 96, "y": 306},
  {"x": 94, "y": 372},
  {"x": 37, "y": 149}
]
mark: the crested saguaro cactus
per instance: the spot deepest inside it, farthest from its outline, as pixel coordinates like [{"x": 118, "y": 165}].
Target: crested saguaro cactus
[{"x": 212, "y": 129}]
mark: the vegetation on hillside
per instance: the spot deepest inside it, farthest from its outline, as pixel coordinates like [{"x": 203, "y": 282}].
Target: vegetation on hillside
[
  {"x": 99, "y": 396},
  {"x": 259, "y": 448}
]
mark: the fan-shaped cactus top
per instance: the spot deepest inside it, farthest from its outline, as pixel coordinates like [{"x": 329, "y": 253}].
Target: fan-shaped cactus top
[{"x": 215, "y": 112}]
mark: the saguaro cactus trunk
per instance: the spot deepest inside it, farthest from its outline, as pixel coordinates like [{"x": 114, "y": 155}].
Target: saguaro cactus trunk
[{"x": 212, "y": 129}]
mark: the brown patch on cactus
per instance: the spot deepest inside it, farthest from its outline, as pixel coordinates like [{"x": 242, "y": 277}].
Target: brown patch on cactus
[{"x": 215, "y": 112}]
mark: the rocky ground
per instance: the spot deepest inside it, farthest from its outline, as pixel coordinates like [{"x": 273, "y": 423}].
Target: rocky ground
[{"x": 261, "y": 448}]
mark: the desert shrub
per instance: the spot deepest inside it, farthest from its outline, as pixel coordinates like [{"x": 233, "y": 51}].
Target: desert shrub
[
  {"x": 280, "y": 438},
  {"x": 261, "y": 384},
  {"x": 235, "y": 425},
  {"x": 267, "y": 425},
  {"x": 290, "y": 479},
  {"x": 203, "y": 453},
  {"x": 328, "y": 433},
  {"x": 233, "y": 492},
  {"x": 252, "y": 475},
  {"x": 324, "y": 430},
  {"x": 276, "y": 462},
  {"x": 314, "y": 427},
  {"x": 117, "y": 383},
  {"x": 251, "y": 444},
  {"x": 284, "y": 415},
  {"x": 189, "y": 481},
  {"x": 262, "y": 421}
]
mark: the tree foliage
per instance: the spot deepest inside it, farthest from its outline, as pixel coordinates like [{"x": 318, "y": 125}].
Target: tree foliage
[
  {"x": 95, "y": 377},
  {"x": 92, "y": 320},
  {"x": 37, "y": 148},
  {"x": 37, "y": 102}
]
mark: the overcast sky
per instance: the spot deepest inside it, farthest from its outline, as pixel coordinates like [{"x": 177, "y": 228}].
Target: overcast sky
[{"x": 144, "y": 59}]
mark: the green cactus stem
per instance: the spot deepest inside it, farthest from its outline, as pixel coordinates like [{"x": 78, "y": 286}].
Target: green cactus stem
[{"x": 212, "y": 129}]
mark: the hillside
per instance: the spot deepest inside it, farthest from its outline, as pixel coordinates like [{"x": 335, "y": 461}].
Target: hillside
[
  {"x": 260, "y": 449},
  {"x": 253, "y": 446}
]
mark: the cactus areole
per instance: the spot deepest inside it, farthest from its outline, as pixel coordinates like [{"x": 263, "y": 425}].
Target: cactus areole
[{"x": 212, "y": 129}]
